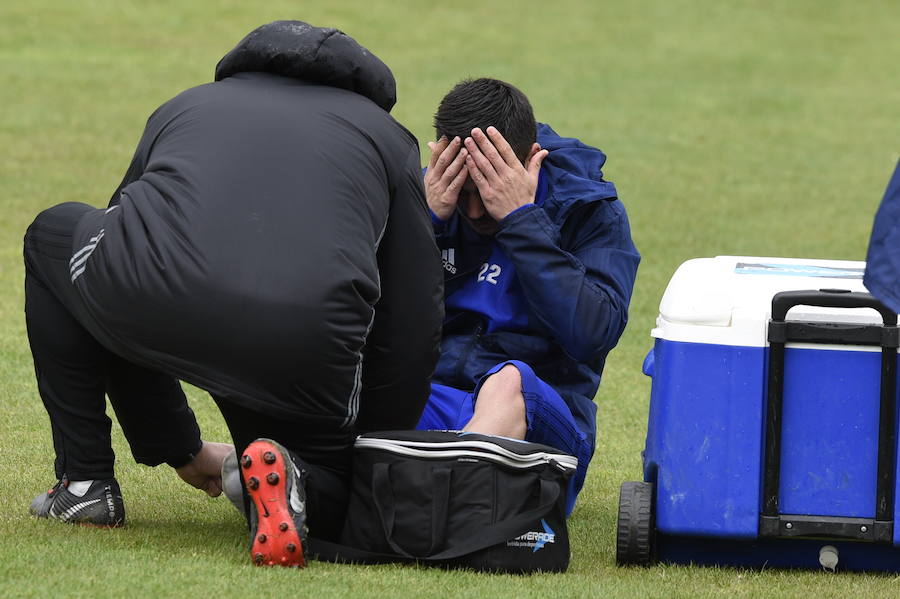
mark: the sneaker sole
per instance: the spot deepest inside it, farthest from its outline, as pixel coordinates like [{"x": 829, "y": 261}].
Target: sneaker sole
[{"x": 276, "y": 541}]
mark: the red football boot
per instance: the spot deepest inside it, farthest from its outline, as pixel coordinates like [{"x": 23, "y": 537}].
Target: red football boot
[{"x": 277, "y": 505}]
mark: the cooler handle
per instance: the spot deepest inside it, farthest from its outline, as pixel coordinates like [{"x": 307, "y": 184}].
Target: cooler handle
[
  {"x": 829, "y": 298},
  {"x": 770, "y": 519}
]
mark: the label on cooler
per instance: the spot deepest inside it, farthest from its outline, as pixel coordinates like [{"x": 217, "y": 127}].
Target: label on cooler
[{"x": 798, "y": 270}]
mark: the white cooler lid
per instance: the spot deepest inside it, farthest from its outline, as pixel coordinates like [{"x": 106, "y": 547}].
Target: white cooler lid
[{"x": 727, "y": 300}]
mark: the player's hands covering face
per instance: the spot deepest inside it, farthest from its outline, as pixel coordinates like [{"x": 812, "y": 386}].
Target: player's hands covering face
[
  {"x": 503, "y": 182},
  {"x": 445, "y": 176}
]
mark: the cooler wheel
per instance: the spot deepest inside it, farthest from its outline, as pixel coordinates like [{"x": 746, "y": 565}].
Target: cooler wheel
[{"x": 634, "y": 532}]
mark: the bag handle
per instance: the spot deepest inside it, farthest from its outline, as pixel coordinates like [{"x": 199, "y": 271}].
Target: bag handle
[
  {"x": 511, "y": 528},
  {"x": 496, "y": 533},
  {"x": 383, "y": 496},
  {"x": 440, "y": 510}
]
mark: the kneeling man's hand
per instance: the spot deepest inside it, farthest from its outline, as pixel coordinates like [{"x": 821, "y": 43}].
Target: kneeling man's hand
[{"x": 205, "y": 471}]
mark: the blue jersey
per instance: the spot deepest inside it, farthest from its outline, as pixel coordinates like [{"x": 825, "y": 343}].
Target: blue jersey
[{"x": 494, "y": 291}]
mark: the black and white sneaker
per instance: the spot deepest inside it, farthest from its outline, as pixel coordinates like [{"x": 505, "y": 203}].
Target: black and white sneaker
[
  {"x": 101, "y": 505},
  {"x": 276, "y": 487}
]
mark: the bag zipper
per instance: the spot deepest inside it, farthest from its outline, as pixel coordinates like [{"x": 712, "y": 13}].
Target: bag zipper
[{"x": 479, "y": 450}]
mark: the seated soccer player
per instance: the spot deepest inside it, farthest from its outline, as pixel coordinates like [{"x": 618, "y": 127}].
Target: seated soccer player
[{"x": 539, "y": 267}]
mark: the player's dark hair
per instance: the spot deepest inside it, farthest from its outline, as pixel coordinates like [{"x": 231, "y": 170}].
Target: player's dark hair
[{"x": 484, "y": 102}]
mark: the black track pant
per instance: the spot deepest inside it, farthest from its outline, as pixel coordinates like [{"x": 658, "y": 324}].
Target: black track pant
[{"x": 74, "y": 372}]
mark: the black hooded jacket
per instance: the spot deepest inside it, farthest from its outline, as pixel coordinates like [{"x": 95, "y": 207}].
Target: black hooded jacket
[{"x": 270, "y": 241}]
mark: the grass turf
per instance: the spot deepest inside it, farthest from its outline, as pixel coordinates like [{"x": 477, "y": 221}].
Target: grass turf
[{"x": 737, "y": 127}]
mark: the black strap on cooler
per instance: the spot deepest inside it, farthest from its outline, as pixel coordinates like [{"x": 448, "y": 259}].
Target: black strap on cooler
[{"x": 771, "y": 522}]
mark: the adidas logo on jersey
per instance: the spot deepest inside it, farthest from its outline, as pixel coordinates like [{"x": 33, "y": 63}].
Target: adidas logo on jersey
[{"x": 448, "y": 258}]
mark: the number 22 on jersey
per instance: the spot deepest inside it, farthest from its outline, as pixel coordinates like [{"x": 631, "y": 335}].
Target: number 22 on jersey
[{"x": 489, "y": 273}]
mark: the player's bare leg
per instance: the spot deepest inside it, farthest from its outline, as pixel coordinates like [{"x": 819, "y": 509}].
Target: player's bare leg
[{"x": 500, "y": 405}]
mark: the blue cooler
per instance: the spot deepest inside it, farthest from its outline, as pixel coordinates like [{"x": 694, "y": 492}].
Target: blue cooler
[{"x": 771, "y": 438}]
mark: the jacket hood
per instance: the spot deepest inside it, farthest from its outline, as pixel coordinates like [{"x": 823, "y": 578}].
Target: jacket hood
[
  {"x": 574, "y": 171},
  {"x": 322, "y": 55}
]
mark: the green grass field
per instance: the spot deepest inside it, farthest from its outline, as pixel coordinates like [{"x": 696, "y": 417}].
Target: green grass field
[{"x": 736, "y": 127}]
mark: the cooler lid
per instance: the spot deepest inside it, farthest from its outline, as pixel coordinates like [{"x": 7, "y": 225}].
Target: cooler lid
[{"x": 727, "y": 300}]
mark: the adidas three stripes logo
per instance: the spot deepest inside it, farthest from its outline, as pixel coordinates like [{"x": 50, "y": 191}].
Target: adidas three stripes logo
[{"x": 79, "y": 259}]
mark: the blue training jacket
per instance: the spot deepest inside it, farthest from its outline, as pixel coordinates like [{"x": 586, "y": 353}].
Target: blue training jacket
[
  {"x": 575, "y": 262},
  {"x": 882, "y": 277}
]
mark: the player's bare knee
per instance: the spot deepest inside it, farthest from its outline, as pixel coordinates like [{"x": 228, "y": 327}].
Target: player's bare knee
[
  {"x": 509, "y": 378},
  {"x": 503, "y": 389}
]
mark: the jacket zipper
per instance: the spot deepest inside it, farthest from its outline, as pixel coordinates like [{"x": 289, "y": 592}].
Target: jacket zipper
[{"x": 464, "y": 357}]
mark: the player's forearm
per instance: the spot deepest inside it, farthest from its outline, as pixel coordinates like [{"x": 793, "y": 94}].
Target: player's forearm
[{"x": 583, "y": 306}]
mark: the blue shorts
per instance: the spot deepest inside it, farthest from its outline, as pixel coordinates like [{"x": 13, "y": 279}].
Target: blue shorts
[{"x": 548, "y": 419}]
